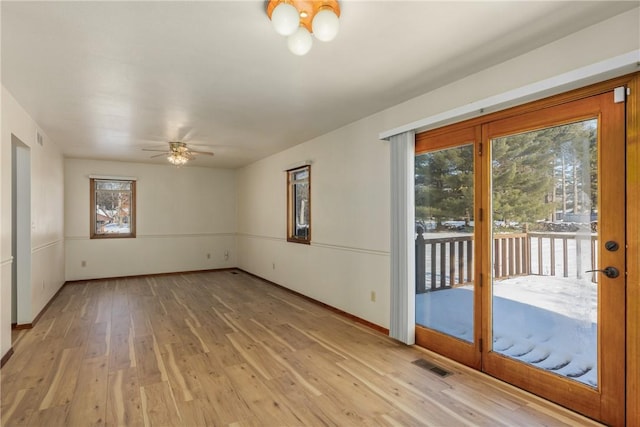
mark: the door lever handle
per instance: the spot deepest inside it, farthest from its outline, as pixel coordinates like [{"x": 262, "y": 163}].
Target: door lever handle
[{"x": 610, "y": 272}]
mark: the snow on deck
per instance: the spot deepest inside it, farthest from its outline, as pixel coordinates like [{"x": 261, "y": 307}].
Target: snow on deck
[{"x": 548, "y": 322}]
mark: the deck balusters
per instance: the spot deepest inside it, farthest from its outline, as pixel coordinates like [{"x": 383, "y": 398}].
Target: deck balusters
[{"x": 446, "y": 262}]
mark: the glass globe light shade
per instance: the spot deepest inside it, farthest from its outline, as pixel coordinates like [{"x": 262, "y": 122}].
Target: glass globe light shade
[
  {"x": 300, "y": 42},
  {"x": 325, "y": 25},
  {"x": 285, "y": 19},
  {"x": 177, "y": 159}
]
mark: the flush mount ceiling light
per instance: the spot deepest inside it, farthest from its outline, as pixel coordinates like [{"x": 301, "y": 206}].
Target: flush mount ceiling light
[{"x": 299, "y": 19}]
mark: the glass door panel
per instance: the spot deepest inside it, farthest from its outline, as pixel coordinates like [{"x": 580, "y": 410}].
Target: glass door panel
[
  {"x": 445, "y": 241},
  {"x": 544, "y": 209},
  {"x": 553, "y": 313}
]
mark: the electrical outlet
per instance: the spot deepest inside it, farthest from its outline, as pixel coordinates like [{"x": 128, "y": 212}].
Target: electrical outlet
[
  {"x": 83, "y": 263},
  {"x": 273, "y": 265},
  {"x": 208, "y": 256},
  {"x": 373, "y": 296},
  {"x": 226, "y": 255}
]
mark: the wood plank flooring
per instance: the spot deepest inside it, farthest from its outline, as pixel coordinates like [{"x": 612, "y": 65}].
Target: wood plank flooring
[{"x": 225, "y": 349}]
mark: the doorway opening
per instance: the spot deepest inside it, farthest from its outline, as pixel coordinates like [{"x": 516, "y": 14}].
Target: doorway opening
[{"x": 21, "y": 236}]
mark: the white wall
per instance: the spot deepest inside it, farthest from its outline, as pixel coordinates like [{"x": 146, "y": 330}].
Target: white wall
[
  {"x": 348, "y": 257},
  {"x": 616, "y": 36},
  {"x": 183, "y": 214},
  {"x": 47, "y": 210},
  {"x": 349, "y": 254}
]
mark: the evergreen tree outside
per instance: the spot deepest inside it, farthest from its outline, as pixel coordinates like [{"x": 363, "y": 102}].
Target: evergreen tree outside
[
  {"x": 444, "y": 186},
  {"x": 538, "y": 176},
  {"x": 521, "y": 177}
]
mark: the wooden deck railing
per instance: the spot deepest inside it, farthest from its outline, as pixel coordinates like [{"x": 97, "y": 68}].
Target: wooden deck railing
[
  {"x": 446, "y": 262},
  {"x": 449, "y": 262},
  {"x": 511, "y": 255},
  {"x": 570, "y": 265}
]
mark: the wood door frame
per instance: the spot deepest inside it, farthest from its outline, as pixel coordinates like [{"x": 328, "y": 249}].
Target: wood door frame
[
  {"x": 633, "y": 252},
  {"x": 467, "y": 353},
  {"x": 609, "y": 394},
  {"x": 632, "y": 81}
]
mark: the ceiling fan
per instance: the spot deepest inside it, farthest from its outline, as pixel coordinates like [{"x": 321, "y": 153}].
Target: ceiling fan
[{"x": 178, "y": 153}]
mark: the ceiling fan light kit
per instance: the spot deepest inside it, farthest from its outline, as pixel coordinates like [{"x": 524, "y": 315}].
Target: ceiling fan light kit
[
  {"x": 177, "y": 159},
  {"x": 179, "y": 154},
  {"x": 299, "y": 19}
]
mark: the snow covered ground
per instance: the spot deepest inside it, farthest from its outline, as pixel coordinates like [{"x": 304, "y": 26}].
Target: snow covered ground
[
  {"x": 117, "y": 228},
  {"x": 548, "y": 322}
]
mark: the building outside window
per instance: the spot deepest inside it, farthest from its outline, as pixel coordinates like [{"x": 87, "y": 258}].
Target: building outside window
[
  {"x": 112, "y": 208},
  {"x": 299, "y": 205}
]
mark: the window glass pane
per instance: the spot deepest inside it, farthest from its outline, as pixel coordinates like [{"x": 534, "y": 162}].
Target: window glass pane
[
  {"x": 113, "y": 209},
  {"x": 445, "y": 241},
  {"x": 113, "y": 185},
  {"x": 544, "y": 190},
  {"x": 301, "y": 210},
  {"x": 301, "y": 175},
  {"x": 299, "y": 205}
]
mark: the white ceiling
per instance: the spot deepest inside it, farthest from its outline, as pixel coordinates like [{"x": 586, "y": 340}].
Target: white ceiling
[{"x": 106, "y": 79}]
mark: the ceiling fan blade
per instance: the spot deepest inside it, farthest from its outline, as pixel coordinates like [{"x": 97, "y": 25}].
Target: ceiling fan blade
[
  {"x": 151, "y": 149},
  {"x": 159, "y": 155},
  {"x": 186, "y": 133},
  {"x": 206, "y": 153},
  {"x": 200, "y": 146}
]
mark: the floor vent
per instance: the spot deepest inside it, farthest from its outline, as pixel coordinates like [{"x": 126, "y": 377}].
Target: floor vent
[
  {"x": 234, "y": 272},
  {"x": 431, "y": 367}
]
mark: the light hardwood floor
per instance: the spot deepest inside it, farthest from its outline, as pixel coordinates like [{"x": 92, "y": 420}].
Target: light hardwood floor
[{"x": 221, "y": 349}]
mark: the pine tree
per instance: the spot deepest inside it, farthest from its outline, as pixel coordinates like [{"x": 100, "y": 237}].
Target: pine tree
[
  {"x": 522, "y": 173},
  {"x": 444, "y": 185},
  {"x": 532, "y": 175}
]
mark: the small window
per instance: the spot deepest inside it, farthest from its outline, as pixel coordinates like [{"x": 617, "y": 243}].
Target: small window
[
  {"x": 299, "y": 205},
  {"x": 113, "y": 208}
]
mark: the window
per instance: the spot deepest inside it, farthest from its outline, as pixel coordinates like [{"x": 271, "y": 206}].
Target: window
[
  {"x": 299, "y": 205},
  {"x": 113, "y": 208}
]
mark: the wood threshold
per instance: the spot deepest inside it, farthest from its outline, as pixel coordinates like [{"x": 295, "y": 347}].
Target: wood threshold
[
  {"x": 497, "y": 382},
  {"x": 349, "y": 316},
  {"x": 6, "y": 357},
  {"x": 18, "y": 326}
]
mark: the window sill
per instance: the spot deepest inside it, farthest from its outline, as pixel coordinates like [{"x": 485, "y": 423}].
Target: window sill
[
  {"x": 293, "y": 240},
  {"x": 110, "y": 236}
]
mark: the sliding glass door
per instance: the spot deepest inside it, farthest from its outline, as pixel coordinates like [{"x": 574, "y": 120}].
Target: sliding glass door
[
  {"x": 520, "y": 251},
  {"x": 445, "y": 245}
]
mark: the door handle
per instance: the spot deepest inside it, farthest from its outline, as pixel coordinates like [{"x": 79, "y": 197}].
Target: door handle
[{"x": 610, "y": 272}]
